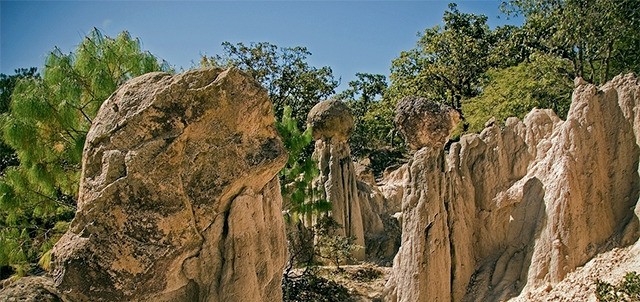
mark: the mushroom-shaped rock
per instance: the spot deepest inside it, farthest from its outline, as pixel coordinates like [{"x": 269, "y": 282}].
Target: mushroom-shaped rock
[
  {"x": 425, "y": 123},
  {"x": 331, "y": 119}
]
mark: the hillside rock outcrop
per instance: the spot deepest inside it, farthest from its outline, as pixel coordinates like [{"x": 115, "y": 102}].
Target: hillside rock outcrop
[
  {"x": 517, "y": 208},
  {"x": 179, "y": 198}
]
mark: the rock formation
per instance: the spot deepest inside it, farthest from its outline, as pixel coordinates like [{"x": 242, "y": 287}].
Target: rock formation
[
  {"x": 517, "y": 208},
  {"x": 31, "y": 289},
  {"x": 332, "y": 124},
  {"x": 179, "y": 198},
  {"x": 425, "y": 123}
]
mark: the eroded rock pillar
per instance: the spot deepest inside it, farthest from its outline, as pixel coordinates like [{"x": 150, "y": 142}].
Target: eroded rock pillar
[{"x": 332, "y": 124}]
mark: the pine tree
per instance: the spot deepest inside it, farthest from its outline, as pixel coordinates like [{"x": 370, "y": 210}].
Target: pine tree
[
  {"x": 297, "y": 176},
  {"x": 47, "y": 123}
]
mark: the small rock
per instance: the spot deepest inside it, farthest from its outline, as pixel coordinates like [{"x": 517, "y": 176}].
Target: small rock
[{"x": 490, "y": 122}]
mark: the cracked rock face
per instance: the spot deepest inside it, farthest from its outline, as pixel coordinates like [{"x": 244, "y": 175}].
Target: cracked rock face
[
  {"x": 425, "y": 123},
  {"x": 179, "y": 198}
]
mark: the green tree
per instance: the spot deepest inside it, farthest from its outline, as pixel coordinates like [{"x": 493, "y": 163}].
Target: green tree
[
  {"x": 514, "y": 91},
  {"x": 627, "y": 289},
  {"x": 46, "y": 125},
  {"x": 447, "y": 63},
  {"x": 300, "y": 198},
  {"x": 362, "y": 95},
  {"x": 284, "y": 72},
  {"x": 599, "y": 37},
  {"x": 8, "y": 156}
]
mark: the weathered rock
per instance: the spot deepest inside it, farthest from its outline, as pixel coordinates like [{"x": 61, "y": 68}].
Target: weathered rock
[
  {"x": 357, "y": 204},
  {"x": 31, "y": 289},
  {"x": 511, "y": 210},
  {"x": 332, "y": 123},
  {"x": 331, "y": 119},
  {"x": 179, "y": 199},
  {"x": 338, "y": 179},
  {"x": 382, "y": 231},
  {"x": 425, "y": 123},
  {"x": 392, "y": 187}
]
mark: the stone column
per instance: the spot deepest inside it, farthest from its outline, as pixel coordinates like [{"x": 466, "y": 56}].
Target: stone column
[{"x": 332, "y": 124}]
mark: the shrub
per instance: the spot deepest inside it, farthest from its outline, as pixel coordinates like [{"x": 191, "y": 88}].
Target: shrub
[{"x": 628, "y": 289}]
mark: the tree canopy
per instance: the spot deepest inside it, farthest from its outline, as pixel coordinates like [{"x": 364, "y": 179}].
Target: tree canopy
[
  {"x": 8, "y": 156},
  {"x": 283, "y": 71},
  {"x": 364, "y": 93},
  {"x": 514, "y": 91},
  {"x": 444, "y": 66},
  {"x": 599, "y": 37}
]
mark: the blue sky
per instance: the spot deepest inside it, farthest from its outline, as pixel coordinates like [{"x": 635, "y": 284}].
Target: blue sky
[{"x": 348, "y": 36}]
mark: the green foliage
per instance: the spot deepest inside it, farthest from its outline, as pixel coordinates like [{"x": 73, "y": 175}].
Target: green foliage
[
  {"x": 8, "y": 156},
  {"x": 311, "y": 287},
  {"x": 284, "y": 72},
  {"x": 46, "y": 125},
  {"x": 516, "y": 90},
  {"x": 300, "y": 198},
  {"x": 309, "y": 245},
  {"x": 447, "y": 63},
  {"x": 363, "y": 97},
  {"x": 599, "y": 37},
  {"x": 335, "y": 248},
  {"x": 627, "y": 290}
]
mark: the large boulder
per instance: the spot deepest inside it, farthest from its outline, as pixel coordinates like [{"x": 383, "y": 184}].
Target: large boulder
[
  {"x": 425, "y": 123},
  {"x": 179, "y": 198},
  {"x": 511, "y": 210}
]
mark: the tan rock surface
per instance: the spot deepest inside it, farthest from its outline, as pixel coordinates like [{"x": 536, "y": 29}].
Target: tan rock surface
[
  {"x": 331, "y": 119},
  {"x": 30, "y": 289},
  {"x": 332, "y": 123},
  {"x": 425, "y": 123},
  {"x": 512, "y": 210},
  {"x": 179, "y": 199}
]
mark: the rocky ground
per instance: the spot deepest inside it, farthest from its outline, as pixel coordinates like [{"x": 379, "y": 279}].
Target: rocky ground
[
  {"x": 579, "y": 285},
  {"x": 365, "y": 281},
  {"x": 353, "y": 283}
]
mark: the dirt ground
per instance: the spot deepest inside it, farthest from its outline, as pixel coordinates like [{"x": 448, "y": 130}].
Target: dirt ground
[{"x": 365, "y": 282}]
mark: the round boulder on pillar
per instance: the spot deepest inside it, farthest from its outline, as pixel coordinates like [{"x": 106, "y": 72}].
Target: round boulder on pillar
[{"x": 331, "y": 120}]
